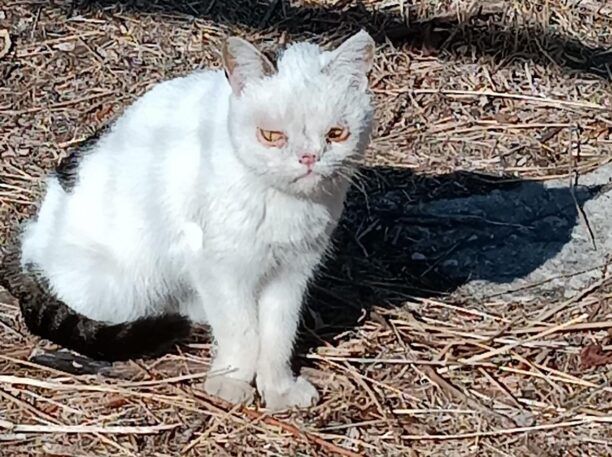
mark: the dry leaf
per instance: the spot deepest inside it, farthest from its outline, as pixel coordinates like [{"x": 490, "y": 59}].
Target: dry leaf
[{"x": 593, "y": 356}]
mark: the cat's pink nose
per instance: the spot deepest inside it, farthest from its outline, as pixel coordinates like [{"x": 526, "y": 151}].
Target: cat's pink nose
[{"x": 309, "y": 159}]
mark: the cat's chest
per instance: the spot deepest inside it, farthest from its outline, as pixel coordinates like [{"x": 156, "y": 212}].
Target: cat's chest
[
  {"x": 292, "y": 224},
  {"x": 262, "y": 225}
]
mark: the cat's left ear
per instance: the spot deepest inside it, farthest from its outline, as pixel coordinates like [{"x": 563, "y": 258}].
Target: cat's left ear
[
  {"x": 243, "y": 62},
  {"x": 353, "y": 58}
]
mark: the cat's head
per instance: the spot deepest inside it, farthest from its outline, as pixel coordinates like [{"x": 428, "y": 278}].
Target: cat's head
[{"x": 305, "y": 121}]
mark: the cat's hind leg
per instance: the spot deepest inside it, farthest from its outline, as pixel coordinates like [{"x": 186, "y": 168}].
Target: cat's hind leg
[{"x": 192, "y": 307}]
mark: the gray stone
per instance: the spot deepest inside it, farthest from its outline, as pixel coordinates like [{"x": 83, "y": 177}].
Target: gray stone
[{"x": 526, "y": 225}]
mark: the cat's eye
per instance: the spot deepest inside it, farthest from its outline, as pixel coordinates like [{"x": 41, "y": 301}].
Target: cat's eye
[
  {"x": 337, "y": 134},
  {"x": 271, "y": 137}
]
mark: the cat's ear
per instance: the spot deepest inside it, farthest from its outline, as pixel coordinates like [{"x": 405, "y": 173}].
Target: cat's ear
[
  {"x": 244, "y": 62},
  {"x": 353, "y": 58}
]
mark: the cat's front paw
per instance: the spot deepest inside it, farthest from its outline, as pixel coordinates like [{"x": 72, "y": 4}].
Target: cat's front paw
[
  {"x": 229, "y": 389},
  {"x": 284, "y": 395}
]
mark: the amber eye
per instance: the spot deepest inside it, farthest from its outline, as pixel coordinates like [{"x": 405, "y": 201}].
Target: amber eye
[
  {"x": 337, "y": 134},
  {"x": 271, "y": 137}
]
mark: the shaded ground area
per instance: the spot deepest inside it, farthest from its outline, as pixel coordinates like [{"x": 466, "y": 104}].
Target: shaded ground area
[
  {"x": 493, "y": 240},
  {"x": 457, "y": 317}
]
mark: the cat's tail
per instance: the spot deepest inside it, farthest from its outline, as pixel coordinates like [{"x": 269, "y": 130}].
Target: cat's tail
[{"x": 52, "y": 319}]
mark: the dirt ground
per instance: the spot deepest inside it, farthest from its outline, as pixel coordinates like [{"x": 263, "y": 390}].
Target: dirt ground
[{"x": 473, "y": 98}]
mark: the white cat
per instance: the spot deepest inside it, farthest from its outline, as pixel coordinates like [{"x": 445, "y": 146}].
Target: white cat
[{"x": 213, "y": 197}]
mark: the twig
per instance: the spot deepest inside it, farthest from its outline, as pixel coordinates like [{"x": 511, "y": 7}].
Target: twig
[
  {"x": 453, "y": 391},
  {"x": 225, "y": 407},
  {"x": 545, "y": 315},
  {"x": 526, "y": 98},
  {"x": 56, "y": 106},
  {"x": 511, "y": 431},
  {"x": 573, "y": 328},
  {"x": 112, "y": 430},
  {"x": 268, "y": 14},
  {"x": 508, "y": 347},
  {"x": 573, "y": 180}
]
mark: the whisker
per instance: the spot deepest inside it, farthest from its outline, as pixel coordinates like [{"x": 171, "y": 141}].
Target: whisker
[{"x": 357, "y": 186}]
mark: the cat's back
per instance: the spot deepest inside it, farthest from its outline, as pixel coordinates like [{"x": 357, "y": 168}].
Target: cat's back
[
  {"x": 116, "y": 184},
  {"x": 156, "y": 138},
  {"x": 155, "y": 141},
  {"x": 175, "y": 106}
]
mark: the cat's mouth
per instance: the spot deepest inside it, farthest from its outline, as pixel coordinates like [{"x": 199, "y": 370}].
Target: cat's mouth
[{"x": 309, "y": 174}]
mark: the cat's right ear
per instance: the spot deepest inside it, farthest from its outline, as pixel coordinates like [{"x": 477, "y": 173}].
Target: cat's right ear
[{"x": 243, "y": 62}]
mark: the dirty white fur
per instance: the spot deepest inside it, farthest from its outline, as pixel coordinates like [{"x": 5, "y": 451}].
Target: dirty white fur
[{"x": 179, "y": 202}]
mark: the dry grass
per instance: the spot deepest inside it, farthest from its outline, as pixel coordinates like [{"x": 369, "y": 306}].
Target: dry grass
[{"x": 503, "y": 90}]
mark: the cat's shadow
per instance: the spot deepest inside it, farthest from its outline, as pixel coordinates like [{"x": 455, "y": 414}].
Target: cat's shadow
[{"x": 404, "y": 234}]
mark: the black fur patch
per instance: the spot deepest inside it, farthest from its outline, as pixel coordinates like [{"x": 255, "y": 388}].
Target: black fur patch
[
  {"x": 49, "y": 318},
  {"x": 73, "y": 363},
  {"x": 68, "y": 169}
]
